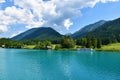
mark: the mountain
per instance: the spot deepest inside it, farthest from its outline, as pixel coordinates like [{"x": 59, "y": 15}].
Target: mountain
[
  {"x": 87, "y": 29},
  {"x": 105, "y": 30},
  {"x": 43, "y": 33},
  {"x": 108, "y": 31}
]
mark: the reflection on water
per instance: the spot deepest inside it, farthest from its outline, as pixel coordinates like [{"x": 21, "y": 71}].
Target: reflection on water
[{"x": 16, "y": 64}]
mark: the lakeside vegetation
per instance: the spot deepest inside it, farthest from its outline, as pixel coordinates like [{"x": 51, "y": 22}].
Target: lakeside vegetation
[
  {"x": 110, "y": 47},
  {"x": 65, "y": 43}
]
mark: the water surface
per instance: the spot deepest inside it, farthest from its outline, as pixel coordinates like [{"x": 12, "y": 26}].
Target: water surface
[{"x": 21, "y": 64}]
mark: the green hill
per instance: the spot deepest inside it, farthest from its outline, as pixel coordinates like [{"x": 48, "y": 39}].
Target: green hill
[
  {"x": 108, "y": 32},
  {"x": 43, "y": 33},
  {"x": 87, "y": 29}
]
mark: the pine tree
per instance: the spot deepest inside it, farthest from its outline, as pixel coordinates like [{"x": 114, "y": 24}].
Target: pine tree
[
  {"x": 88, "y": 44},
  {"x": 98, "y": 43}
]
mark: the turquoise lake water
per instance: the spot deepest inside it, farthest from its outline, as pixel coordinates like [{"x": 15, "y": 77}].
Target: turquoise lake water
[{"x": 21, "y": 64}]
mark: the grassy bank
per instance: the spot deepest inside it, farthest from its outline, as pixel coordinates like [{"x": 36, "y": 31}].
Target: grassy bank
[
  {"x": 29, "y": 47},
  {"x": 53, "y": 47},
  {"x": 110, "y": 47}
]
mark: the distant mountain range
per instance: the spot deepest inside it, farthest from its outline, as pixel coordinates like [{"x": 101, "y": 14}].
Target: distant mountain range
[{"x": 100, "y": 29}]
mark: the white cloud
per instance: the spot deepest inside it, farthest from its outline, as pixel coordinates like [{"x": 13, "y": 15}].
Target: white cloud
[
  {"x": 104, "y": 1},
  {"x": 2, "y": 1},
  {"x": 67, "y": 23},
  {"x": 3, "y": 28},
  {"x": 37, "y": 13}
]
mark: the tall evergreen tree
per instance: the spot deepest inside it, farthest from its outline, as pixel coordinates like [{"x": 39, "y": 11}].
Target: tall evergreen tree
[
  {"x": 88, "y": 44},
  {"x": 98, "y": 43}
]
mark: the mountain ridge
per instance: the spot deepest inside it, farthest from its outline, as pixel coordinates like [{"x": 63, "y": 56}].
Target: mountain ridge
[
  {"x": 108, "y": 31},
  {"x": 42, "y": 33},
  {"x": 101, "y": 29},
  {"x": 83, "y": 31}
]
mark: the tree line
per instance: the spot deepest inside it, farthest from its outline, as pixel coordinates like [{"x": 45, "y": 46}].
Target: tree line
[
  {"x": 63, "y": 42},
  {"x": 89, "y": 42}
]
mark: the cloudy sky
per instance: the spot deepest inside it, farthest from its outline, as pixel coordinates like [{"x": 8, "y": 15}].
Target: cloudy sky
[{"x": 65, "y": 16}]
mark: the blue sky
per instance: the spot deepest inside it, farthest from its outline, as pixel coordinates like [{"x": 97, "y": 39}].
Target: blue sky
[{"x": 65, "y": 17}]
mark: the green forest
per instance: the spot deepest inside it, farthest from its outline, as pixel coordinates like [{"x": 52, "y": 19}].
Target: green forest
[{"x": 65, "y": 42}]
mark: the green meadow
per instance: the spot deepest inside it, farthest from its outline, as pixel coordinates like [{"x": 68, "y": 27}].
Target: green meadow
[{"x": 110, "y": 47}]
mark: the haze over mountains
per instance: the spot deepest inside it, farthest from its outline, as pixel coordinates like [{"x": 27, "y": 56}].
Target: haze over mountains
[{"x": 100, "y": 29}]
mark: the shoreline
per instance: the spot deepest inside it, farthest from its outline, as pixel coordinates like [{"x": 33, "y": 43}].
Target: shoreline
[
  {"x": 65, "y": 49},
  {"x": 109, "y": 50}
]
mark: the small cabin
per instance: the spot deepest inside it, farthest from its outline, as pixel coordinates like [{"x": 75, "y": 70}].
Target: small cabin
[
  {"x": 49, "y": 47},
  {"x": 3, "y": 46}
]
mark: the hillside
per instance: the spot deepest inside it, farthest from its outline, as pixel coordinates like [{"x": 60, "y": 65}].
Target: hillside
[
  {"x": 87, "y": 29},
  {"x": 43, "y": 33},
  {"x": 108, "y": 32}
]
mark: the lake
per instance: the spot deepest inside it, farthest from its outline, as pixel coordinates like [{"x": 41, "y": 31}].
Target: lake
[{"x": 22, "y": 64}]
